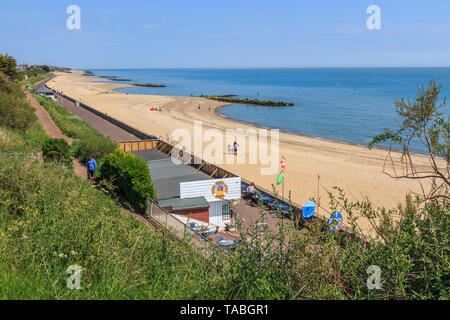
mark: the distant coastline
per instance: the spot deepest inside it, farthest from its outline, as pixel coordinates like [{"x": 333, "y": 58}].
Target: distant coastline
[
  {"x": 336, "y": 104},
  {"x": 350, "y": 165}
]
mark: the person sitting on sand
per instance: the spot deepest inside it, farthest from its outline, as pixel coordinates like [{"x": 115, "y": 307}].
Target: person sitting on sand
[{"x": 91, "y": 166}]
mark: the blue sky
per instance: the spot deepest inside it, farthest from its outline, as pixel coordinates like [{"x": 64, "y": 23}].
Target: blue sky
[{"x": 198, "y": 33}]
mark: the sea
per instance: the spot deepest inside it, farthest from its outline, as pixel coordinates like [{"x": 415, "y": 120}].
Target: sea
[{"x": 349, "y": 105}]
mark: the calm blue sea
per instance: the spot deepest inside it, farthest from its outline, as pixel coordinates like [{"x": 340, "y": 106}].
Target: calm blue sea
[{"x": 343, "y": 104}]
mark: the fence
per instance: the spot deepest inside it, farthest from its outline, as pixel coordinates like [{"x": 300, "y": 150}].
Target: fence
[
  {"x": 152, "y": 142},
  {"x": 214, "y": 172},
  {"x": 130, "y": 146},
  {"x": 176, "y": 227},
  {"x": 33, "y": 156}
]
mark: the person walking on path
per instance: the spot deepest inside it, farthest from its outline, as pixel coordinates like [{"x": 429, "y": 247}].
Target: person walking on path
[{"x": 91, "y": 166}]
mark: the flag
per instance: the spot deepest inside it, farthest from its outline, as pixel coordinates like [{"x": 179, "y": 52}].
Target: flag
[
  {"x": 283, "y": 164},
  {"x": 280, "y": 178}
]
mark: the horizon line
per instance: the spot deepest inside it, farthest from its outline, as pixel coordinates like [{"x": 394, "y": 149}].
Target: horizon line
[{"x": 270, "y": 67}]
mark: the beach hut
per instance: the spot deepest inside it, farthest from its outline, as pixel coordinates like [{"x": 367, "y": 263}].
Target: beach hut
[
  {"x": 189, "y": 192},
  {"x": 44, "y": 91},
  {"x": 218, "y": 193}
]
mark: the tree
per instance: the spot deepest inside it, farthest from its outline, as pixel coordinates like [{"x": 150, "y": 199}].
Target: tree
[
  {"x": 422, "y": 120},
  {"x": 8, "y": 66}
]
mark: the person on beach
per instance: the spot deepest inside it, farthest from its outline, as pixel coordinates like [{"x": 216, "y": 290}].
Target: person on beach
[
  {"x": 251, "y": 191},
  {"x": 91, "y": 167}
]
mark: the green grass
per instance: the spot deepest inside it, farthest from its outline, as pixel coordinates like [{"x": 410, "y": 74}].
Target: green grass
[
  {"x": 34, "y": 76},
  {"x": 88, "y": 140},
  {"x": 30, "y": 140},
  {"x": 69, "y": 124},
  {"x": 52, "y": 219}
]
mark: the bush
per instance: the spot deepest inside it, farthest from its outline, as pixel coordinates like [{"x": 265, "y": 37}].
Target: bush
[
  {"x": 69, "y": 124},
  {"x": 48, "y": 226},
  {"x": 57, "y": 150},
  {"x": 97, "y": 146},
  {"x": 130, "y": 175},
  {"x": 89, "y": 141}
]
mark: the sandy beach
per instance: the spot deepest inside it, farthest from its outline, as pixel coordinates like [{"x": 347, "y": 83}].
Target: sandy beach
[{"x": 358, "y": 170}]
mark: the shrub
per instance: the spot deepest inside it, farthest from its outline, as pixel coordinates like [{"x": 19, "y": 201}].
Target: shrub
[
  {"x": 97, "y": 146},
  {"x": 89, "y": 141},
  {"x": 130, "y": 175},
  {"x": 48, "y": 226},
  {"x": 57, "y": 150},
  {"x": 69, "y": 124}
]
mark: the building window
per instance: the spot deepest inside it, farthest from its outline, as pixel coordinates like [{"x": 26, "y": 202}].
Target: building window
[{"x": 226, "y": 211}]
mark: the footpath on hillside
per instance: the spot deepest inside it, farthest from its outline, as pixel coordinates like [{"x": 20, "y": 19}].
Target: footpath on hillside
[{"x": 53, "y": 130}]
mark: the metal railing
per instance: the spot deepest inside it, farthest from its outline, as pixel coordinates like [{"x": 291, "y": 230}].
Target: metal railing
[
  {"x": 152, "y": 142},
  {"x": 215, "y": 172},
  {"x": 176, "y": 227}
]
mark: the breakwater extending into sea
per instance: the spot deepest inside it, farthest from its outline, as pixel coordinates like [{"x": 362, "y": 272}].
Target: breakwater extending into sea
[{"x": 342, "y": 104}]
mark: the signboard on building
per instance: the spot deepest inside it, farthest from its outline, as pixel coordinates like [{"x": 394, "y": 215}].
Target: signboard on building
[{"x": 212, "y": 190}]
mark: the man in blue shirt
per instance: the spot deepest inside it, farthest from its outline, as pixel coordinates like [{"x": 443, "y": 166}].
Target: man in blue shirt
[{"x": 91, "y": 166}]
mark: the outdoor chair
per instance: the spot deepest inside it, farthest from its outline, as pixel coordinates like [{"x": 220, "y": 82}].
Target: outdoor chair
[
  {"x": 214, "y": 232},
  {"x": 286, "y": 213},
  {"x": 193, "y": 227},
  {"x": 272, "y": 205}
]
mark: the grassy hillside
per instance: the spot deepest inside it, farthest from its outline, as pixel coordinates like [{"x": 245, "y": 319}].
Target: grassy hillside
[{"x": 52, "y": 219}]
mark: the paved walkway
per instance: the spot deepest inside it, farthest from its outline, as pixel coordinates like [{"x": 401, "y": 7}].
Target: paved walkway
[
  {"x": 53, "y": 130},
  {"x": 246, "y": 209},
  {"x": 103, "y": 126}
]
